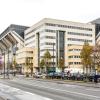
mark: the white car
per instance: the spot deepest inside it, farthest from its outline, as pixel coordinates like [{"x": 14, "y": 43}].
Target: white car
[{"x": 37, "y": 75}]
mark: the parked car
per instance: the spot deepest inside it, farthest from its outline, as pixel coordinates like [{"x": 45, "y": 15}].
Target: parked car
[
  {"x": 56, "y": 75},
  {"x": 37, "y": 75},
  {"x": 91, "y": 77}
]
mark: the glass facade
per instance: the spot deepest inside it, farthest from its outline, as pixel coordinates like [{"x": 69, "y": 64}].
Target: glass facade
[
  {"x": 38, "y": 46},
  {"x": 60, "y": 45}
]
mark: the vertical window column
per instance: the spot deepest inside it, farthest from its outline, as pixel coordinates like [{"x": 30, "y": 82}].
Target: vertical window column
[{"x": 60, "y": 47}]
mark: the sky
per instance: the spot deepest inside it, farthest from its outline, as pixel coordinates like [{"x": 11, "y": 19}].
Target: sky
[{"x": 28, "y": 12}]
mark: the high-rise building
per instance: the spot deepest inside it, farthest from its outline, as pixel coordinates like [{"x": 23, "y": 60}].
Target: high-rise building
[{"x": 63, "y": 39}]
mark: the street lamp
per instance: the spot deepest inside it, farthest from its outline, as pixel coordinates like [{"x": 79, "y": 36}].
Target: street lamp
[
  {"x": 3, "y": 53},
  {"x": 8, "y": 64},
  {"x": 53, "y": 60}
]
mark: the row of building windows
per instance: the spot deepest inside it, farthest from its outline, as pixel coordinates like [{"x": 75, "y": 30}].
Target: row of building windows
[
  {"x": 76, "y": 63},
  {"x": 48, "y": 37},
  {"x": 81, "y": 40},
  {"x": 47, "y": 49},
  {"x": 67, "y": 26},
  {"x": 74, "y": 50},
  {"x": 81, "y": 34},
  {"x": 29, "y": 51},
  {"x": 47, "y": 43},
  {"x": 30, "y": 37},
  {"x": 54, "y": 31},
  {"x": 51, "y": 31},
  {"x": 51, "y": 63},
  {"x": 25, "y": 52},
  {"x": 51, "y": 56},
  {"x": 74, "y": 56}
]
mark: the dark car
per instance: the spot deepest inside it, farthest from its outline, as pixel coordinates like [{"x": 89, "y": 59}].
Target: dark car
[{"x": 91, "y": 77}]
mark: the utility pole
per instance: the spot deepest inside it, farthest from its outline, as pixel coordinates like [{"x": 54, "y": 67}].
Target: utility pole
[
  {"x": 53, "y": 60},
  {"x": 4, "y": 63},
  {"x": 8, "y": 65}
]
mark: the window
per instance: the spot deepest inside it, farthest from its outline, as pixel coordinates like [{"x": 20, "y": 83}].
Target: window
[
  {"x": 48, "y": 37},
  {"x": 81, "y": 40},
  {"x": 70, "y": 63},
  {"x": 74, "y": 50},
  {"x": 67, "y": 26},
  {"x": 80, "y": 34},
  {"x": 29, "y": 51},
  {"x": 74, "y": 56},
  {"x": 47, "y": 49},
  {"x": 47, "y": 43},
  {"x": 77, "y": 63},
  {"x": 48, "y": 30}
]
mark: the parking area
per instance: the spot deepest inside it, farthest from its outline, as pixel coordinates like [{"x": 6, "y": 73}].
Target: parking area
[{"x": 69, "y": 76}]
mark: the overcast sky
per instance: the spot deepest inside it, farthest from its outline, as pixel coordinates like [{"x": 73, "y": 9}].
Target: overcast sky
[{"x": 28, "y": 12}]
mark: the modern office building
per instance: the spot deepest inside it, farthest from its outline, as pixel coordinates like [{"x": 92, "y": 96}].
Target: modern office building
[
  {"x": 98, "y": 38},
  {"x": 96, "y": 22},
  {"x": 11, "y": 40},
  {"x": 63, "y": 39}
]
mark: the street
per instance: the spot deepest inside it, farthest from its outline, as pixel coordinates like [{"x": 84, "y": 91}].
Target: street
[{"x": 54, "y": 91}]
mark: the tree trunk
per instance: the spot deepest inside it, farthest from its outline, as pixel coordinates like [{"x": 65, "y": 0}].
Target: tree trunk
[
  {"x": 83, "y": 70},
  {"x": 31, "y": 71},
  {"x": 86, "y": 70}
]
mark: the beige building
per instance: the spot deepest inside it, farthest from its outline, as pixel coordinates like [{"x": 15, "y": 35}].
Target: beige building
[{"x": 24, "y": 58}]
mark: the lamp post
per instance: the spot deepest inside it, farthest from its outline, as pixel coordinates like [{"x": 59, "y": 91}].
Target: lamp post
[
  {"x": 53, "y": 60},
  {"x": 8, "y": 65},
  {"x": 4, "y": 63}
]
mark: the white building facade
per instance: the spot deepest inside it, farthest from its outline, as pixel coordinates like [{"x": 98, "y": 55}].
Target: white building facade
[{"x": 63, "y": 39}]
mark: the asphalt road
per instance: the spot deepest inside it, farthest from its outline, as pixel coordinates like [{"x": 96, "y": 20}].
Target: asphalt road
[{"x": 55, "y": 91}]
